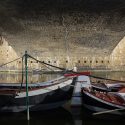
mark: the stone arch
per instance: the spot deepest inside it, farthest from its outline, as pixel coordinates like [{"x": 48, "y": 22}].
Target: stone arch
[
  {"x": 7, "y": 53},
  {"x": 117, "y": 57}
]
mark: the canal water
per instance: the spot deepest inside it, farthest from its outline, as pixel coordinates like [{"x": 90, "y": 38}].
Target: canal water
[{"x": 61, "y": 116}]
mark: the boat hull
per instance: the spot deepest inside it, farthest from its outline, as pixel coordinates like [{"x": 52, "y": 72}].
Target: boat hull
[
  {"x": 41, "y": 99},
  {"x": 92, "y": 105}
]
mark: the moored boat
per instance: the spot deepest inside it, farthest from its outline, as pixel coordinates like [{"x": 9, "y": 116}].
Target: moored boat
[
  {"x": 42, "y": 96},
  {"x": 104, "y": 85},
  {"x": 99, "y": 102}
]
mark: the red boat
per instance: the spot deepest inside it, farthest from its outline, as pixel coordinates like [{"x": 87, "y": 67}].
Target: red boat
[{"x": 101, "y": 102}]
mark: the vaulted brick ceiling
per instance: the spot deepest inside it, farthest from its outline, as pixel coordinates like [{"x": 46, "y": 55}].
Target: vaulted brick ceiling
[{"x": 63, "y": 26}]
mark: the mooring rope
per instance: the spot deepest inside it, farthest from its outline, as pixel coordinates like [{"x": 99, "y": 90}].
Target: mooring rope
[
  {"x": 46, "y": 63},
  {"x": 48, "y": 67},
  {"x": 10, "y": 62},
  {"x": 106, "y": 79},
  {"x": 97, "y": 77}
]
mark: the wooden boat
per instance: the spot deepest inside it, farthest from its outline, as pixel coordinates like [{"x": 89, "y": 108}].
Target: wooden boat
[
  {"x": 107, "y": 85},
  {"x": 42, "y": 96},
  {"x": 97, "y": 83},
  {"x": 103, "y": 102},
  {"x": 114, "y": 87}
]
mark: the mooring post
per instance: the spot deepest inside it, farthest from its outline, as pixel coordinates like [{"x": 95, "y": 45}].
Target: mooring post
[{"x": 27, "y": 96}]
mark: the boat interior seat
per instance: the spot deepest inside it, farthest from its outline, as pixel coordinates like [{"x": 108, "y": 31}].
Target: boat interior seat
[{"x": 117, "y": 97}]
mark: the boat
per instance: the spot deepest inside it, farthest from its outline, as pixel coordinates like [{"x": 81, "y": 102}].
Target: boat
[
  {"x": 98, "y": 102},
  {"x": 42, "y": 96},
  {"x": 97, "y": 83},
  {"x": 105, "y": 85}
]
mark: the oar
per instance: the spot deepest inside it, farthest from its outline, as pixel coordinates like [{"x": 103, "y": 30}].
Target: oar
[{"x": 107, "y": 111}]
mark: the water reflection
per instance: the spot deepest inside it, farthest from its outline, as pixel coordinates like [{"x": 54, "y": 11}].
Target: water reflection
[
  {"x": 54, "y": 117},
  {"x": 102, "y": 122},
  {"x": 32, "y": 78},
  {"x": 111, "y": 75},
  {"x": 104, "y": 119}
]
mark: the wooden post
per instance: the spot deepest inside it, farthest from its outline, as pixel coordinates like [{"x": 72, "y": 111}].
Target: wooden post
[{"x": 27, "y": 96}]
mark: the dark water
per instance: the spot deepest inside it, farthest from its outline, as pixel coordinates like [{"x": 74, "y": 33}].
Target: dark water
[
  {"x": 54, "y": 117},
  {"x": 61, "y": 116}
]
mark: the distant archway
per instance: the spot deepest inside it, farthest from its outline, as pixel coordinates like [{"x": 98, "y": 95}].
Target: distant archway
[
  {"x": 117, "y": 56},
  {"x": 7, "y": 53}
]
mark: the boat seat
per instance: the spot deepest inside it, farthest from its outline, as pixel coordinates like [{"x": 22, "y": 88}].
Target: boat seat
[
  {"x": 110, "y": 98},
  {"x": 116, "y": 98}
]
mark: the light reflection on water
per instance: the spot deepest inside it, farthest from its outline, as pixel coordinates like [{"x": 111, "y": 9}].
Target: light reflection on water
[
  {"x": 111, "y": 75},
  {"x": 32, "y": 78},
  {"x": 59, "y": 116}
]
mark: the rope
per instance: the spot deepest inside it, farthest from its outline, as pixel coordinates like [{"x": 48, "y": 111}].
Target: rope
[
  {"x": 46, "y": 67},
  {"x": 108, "y": 111},
  {"x": 10, "y": 62},
  {"x": 46, "y": 63},
  {"x": 106, "y": 79},
  {"x": 99, "y": 77},
  {"x": 49, "y": 68}
]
